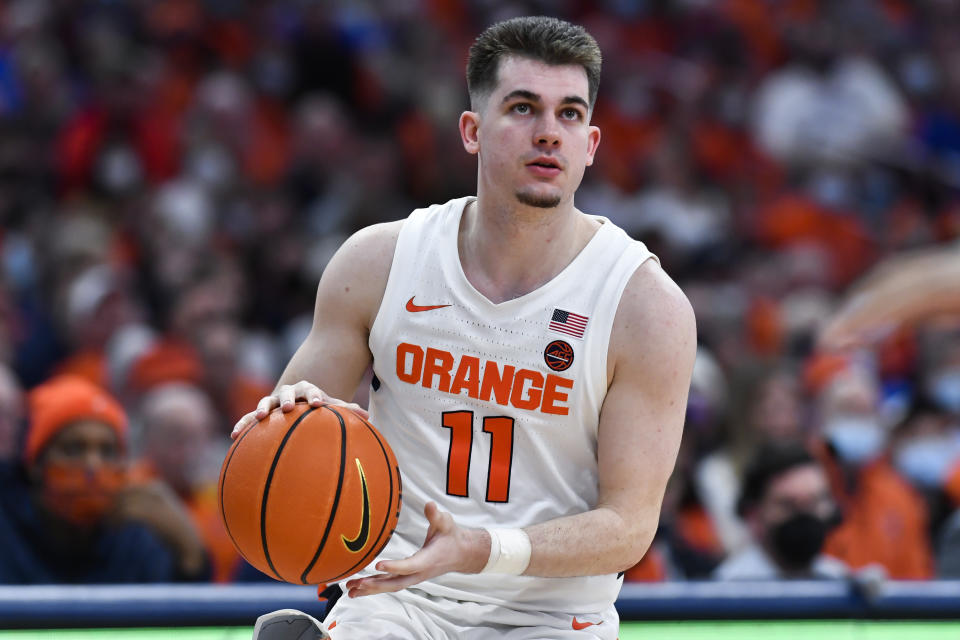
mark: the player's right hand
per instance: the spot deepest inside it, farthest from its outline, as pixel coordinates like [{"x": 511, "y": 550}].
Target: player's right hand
[{"x": 286, "y": 397}]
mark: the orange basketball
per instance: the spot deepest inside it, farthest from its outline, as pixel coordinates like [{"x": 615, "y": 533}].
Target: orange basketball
[{"x": 310, "y": 496}]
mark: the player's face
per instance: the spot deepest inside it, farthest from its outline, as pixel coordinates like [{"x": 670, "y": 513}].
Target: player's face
[{"x": 532, "y": 134}]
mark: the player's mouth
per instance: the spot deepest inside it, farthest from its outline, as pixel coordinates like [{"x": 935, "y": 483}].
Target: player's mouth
[{"x": 544, "y": 167}]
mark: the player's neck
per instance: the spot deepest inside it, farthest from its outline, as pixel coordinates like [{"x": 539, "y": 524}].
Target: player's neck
[{"x": 510, "y": 250}]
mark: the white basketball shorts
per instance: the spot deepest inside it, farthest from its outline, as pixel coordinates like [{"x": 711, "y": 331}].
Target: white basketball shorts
[{"x": 412, "y": 614}]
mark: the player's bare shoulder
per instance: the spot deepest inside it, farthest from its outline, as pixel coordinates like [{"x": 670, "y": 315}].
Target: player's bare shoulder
[
  {"x": 356, "y": 277},
  {"x": 654, "y": 324}
]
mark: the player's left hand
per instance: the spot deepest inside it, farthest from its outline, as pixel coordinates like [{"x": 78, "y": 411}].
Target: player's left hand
[{"x": 447, "y": 547}]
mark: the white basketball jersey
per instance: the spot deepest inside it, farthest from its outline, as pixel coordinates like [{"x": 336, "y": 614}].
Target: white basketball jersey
[{"x": 492, "y": 409}]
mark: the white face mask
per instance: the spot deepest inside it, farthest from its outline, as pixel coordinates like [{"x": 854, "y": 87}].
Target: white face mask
[
  {"x": 857, "y": 439},
  {"x": 926, "y": 461},
  {"x": 944, "y": 390}
]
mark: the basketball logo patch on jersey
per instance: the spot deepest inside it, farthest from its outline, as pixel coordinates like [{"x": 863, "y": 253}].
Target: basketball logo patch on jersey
[
  {"x": 558, "y": 355},
  {"x": 572, "y": 324}
]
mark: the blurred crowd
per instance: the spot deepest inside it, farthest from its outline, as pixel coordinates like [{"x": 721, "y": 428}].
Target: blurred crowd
[{"x": 175, "y": 175}]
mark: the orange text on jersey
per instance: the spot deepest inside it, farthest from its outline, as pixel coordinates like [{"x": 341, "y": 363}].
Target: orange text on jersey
[{"x": 505, "y": 385}]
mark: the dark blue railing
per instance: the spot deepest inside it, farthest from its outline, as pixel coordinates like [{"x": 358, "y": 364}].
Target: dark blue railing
[{"x": 189, "y": 605}]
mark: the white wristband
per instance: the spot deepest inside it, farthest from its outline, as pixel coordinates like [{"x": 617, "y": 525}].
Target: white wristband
[{"x": 509, "y": 552}]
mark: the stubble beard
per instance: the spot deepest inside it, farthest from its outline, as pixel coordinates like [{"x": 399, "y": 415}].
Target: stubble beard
[{"x": 540, "y": 201}]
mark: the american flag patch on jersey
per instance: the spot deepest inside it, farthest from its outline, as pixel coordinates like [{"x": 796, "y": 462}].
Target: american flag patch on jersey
[{"x": 569, "y": 323}]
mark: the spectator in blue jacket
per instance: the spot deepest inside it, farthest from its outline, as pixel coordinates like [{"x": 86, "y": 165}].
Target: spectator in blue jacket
[{"x": 66, "y": 514}]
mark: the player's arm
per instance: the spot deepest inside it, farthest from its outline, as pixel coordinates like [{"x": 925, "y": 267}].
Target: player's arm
[
  {"x": 652, "y": 351},
  {"x": 904, "y": 289},
  {"x": 330, "y": 362}
]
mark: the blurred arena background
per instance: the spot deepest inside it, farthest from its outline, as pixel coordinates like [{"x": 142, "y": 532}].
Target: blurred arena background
[{"x": 174, "y": 176}]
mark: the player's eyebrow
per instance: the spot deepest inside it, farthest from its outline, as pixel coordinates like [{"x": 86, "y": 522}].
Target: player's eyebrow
[
  {"x": 535, "y": 97},
  {"x": 521, "y": 93},
  {"x": 576, "y": 100}
]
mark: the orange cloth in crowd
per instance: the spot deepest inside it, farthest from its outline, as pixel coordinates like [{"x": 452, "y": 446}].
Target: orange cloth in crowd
[
  {"x": 822, "y": 367},
  {"x": 266, "y": 158},
  {"x": 629, "y": 143},
  {"x": 89, "y": 364},
  {"x": 245, "y": 394},
  {"x": 884, "y": 522},
  {"x": 757, "y": 22},
  {"x": 651, "y": 568},
  {"x": 204, "y": 511},
  {"x": 952, "y": 486},
  {"x": 764, "y": 326},
  {"x": 728, "y": 154},
  {"x": 793, "y": 219},
  {"x": 63, "y": 400},
  {"x": 695, "y": 526},
  {"x": 167, "y": 361}
]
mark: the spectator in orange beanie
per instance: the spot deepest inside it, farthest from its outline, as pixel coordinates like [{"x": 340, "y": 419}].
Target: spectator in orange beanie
[{"x": 66, "y": 514}]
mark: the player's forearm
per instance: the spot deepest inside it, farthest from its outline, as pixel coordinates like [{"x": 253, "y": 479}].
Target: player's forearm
[
  {"x": 923, "y": 292},
  {"x": 902, "y": 291},
  {"x": 335, "y": 363},
  {"x": 595, "y": 542},
  {"x": 296, "y": 370}
]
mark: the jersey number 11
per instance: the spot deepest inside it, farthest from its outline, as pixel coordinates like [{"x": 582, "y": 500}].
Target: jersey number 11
[{"x": 500, "y": 429}]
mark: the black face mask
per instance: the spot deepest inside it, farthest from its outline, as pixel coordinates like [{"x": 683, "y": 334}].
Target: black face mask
[{"x": 797, "y": 540}]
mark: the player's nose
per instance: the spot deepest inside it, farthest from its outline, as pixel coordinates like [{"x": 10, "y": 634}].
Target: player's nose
[{"x": 547, "y": 132}]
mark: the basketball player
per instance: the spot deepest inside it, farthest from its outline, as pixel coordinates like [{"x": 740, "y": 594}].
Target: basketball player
[{"x": 531, "y": 370}]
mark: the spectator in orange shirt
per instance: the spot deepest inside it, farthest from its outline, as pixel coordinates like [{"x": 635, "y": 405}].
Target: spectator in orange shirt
[
  {"x": 180, "y": 447},
  {"x": 884, "y": 519}
]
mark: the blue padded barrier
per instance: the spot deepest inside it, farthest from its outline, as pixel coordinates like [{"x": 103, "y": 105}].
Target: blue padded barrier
[
  {"x": 201, "y": 605},
  {"x": 739, "y": 600},
  {"x": 149, "y": 605}
]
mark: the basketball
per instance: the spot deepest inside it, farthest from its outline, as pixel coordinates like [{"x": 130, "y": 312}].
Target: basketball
[{"x": 310, "y": 496}]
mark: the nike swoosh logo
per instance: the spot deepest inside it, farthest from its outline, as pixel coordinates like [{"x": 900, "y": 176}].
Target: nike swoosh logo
[
  {"x": 577, "y": 625},
  {"x": 358, "y": 543},
  {"x": 415, "y": 308}
]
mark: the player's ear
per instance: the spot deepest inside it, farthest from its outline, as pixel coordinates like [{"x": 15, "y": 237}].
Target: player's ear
[
  {"x": 593, "y": 141},
  {"x": 469, "y": 131}
]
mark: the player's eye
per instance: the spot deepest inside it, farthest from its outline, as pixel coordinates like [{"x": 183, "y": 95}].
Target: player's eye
[
  {"x": 570, "y": 114},
  {"x": 522, "y": 108}
]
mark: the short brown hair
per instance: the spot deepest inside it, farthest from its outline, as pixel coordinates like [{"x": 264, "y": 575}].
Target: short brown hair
[{"x": 548, "y": 40}]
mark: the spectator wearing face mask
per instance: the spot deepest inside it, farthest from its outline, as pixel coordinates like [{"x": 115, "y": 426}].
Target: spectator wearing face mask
[
  {"x": 787, "y": 505},
  {"x": 944, "y": 388},
  {"x": 884, "y": 519},
  {"x": 941, "y": 380},
  {"x": 941, "y": 385},
  {"x": 926, "y": 449},
  {"x": 930, "y": 456},
  {"x": 66, "y": 514}
]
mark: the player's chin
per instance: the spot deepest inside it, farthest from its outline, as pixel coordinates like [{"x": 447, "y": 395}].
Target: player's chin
[{"x": 539, "y": 196}]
